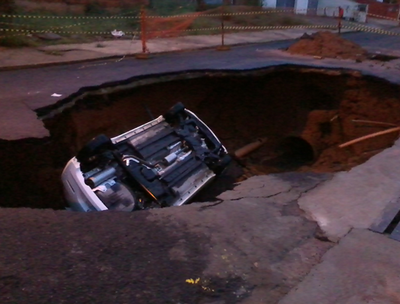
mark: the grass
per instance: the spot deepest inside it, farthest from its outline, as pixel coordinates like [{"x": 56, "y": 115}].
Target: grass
[
  {"x": 25, "y": 26},
  {"x": 266, "y": 17},
  {"x": 17, "y": 41},
  {"x": 171, "y": 7}
]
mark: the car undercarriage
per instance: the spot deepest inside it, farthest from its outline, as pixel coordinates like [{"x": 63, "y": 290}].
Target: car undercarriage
[{"x": 162, "y": 163}]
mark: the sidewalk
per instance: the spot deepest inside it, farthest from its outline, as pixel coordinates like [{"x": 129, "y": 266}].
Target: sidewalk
[{"x": 67, "y": 53}]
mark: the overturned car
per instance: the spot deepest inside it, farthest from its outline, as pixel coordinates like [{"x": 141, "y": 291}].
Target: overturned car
[{"x": 164, "y": 162}]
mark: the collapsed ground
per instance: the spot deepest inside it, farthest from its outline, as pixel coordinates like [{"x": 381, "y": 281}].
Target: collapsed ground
[
  {"x": 304, "y": 114},
  {"x": 254, "y": 247}
]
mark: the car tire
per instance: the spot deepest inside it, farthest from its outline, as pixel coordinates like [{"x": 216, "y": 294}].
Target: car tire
[
  {"x": 93, "y": 147},
  {"x": 222, "y": 164},
  {"x": 174, "y": 112}
]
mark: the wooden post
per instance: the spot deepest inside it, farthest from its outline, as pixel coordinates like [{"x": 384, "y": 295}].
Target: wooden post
[
  {"x": 145, "y": 51},
  {"x": 340, "y": 17},
  {"x": 223, "y": 47},
  {"x": 398, "y": 15}
]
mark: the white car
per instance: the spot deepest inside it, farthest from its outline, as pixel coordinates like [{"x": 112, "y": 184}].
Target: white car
[{"x": 164, "y": 162}]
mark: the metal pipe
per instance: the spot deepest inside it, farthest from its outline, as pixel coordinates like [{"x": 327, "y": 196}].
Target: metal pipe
[{"x": 243, "y": 151}]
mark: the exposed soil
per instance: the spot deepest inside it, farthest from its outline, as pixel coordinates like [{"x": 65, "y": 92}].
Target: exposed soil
[
  {"x": 328, "y": 45},
  {"x": 304, "y": 114}
]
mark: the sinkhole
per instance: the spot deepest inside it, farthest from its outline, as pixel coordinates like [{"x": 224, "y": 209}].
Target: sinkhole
[{"x": 302, "y": 113}]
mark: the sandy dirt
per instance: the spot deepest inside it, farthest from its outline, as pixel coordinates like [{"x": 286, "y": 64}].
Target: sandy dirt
[{"x": 328, "y": 45}]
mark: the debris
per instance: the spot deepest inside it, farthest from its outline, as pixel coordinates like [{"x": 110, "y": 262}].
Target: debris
[
  {"x": 48, "y": 36},
  {"x": 53, "y": 52},
  {"x": 307, "y": 36},
  {"x": 117, "y": 34},
  {"x": 191, "y": 281}
]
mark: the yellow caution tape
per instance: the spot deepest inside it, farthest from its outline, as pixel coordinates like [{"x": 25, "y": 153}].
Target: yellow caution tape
[
  {"x": 382, "y": 17},
  {"x": 66, "y": 17},
  {"x": 267, "y": 27},
  {"x": 371, "y": 30},
  {"x": 346, "y": 25},
  {"x": 272, "y": 27},
  {"x": 288, "y": 10},
  {"x": 262, "y": 12},
  {"x": 60, "y": 32}
]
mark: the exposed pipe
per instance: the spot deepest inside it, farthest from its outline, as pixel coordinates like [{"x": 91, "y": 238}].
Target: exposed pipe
[{"x": 243, "y": 151}]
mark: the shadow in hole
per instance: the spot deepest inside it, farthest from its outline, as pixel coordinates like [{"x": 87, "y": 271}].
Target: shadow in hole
[{"x": 291, "y": 153}]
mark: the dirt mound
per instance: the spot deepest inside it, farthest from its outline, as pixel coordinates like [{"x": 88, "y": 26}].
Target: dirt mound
[{"x": 327, "y": 44}]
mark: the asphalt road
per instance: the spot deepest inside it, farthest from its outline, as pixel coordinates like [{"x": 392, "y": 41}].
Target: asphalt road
[
  {"x": 372, "y": 41},
  {"x": 40, "y": 83},
  {"x": 27, "y": 90}
]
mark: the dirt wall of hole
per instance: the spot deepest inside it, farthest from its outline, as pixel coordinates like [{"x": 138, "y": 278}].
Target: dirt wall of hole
[
  {"x": 239, "y": 109},
  {"x": 317, "y": 105}
]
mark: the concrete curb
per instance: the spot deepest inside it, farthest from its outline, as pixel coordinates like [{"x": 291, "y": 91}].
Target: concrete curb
[{"x": 56, "y": 63}]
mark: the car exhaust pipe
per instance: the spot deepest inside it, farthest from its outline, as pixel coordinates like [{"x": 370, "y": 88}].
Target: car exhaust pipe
[{"x": 98, "y": 178}]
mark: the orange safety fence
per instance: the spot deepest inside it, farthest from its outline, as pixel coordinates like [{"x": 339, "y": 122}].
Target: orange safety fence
[
  {"x": 211, "y": 21},
  {"x": 149, "y": 25},
  {"x": 161, "y": 27}
]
